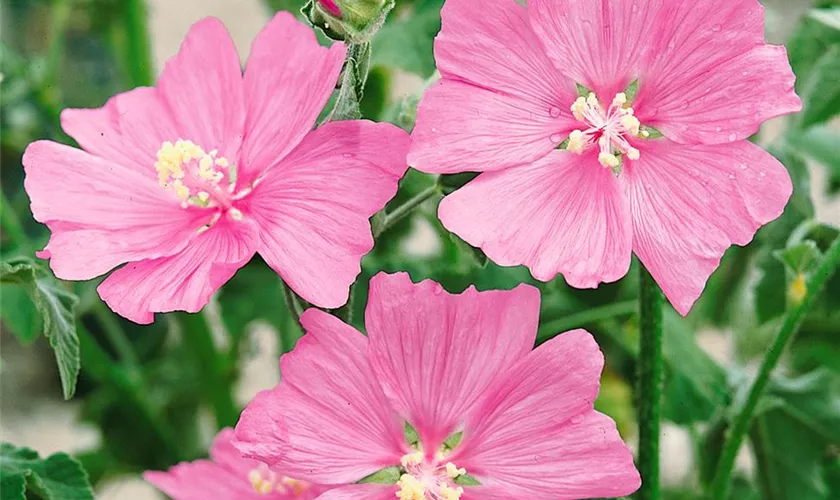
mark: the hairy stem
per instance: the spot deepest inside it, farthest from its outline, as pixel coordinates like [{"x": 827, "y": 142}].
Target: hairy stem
[
  {"x": 792, "y": 321},
  {"x": 650, "y": 384}
]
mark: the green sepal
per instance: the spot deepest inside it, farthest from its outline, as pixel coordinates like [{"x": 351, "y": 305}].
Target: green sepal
[
  {"x": 388, "y": 475},
  {"x": 452, "y": 441},
  {"x": 631, "y": 91},
  {"x": 411, "y": 436},
  {"x": 652, "y": 133},
  {"x": 583, "y": 90},
  {"x": 466, "y": 480}
]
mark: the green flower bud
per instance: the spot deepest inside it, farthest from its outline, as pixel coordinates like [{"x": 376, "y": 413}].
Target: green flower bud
[{"x": 352, "y": 20}]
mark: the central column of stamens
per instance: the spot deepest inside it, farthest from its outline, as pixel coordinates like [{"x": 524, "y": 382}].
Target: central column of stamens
[
  {"x": 193, "y": 175},
  {"x": 265, "y": 481},
  {"x": 609, "y": 127},
  {"x": 428, "y": 480}
]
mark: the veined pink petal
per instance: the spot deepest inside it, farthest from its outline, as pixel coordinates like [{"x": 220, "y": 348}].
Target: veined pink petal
[
  {"x": 596, "y": 43},
  {"x": 202, "y": 85},
  {"x": 288, "y": 79},
  {"x": 101, "y": 214},
  {"x": 425, "y": 344},
  {"x": 339, "y": 423},
  {"x": 690, "y": 203},
  {"x": 314, "y": 207},
  {"x": 185, "y": 281},
  {"x": 128, "y": 130},
  {"x": 361, "y": 492},
  {"x": 495, "y": 74},
  {"x": 562, "y": 214},
  {"x": 534, "y": 433},
  {"x": 719, "y": 101},
  {"x": 224, "y": 453}
]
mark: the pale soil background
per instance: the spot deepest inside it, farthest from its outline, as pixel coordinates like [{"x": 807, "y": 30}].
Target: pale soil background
[{"x": 31, "y": 410}]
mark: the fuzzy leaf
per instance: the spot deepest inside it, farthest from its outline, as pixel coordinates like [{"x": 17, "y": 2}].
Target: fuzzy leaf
[{"x": 57, "y": 477}]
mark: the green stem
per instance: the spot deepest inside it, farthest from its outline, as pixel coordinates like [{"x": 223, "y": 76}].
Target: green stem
[
  {"x": 11, "y": 224},
  {"x": 116, "y": 336},
  {"x": 196, "y": 332},
  {"x": 137, "y": 53},
  {"x": 553, "y": 328},
  {"x": 399, "y": 213},
  {"x": 650, "y": 384},
  {"x": 792, "y": 321},
  {"x": 100, "y": 367},
  {"x": 292, "y": 302}
]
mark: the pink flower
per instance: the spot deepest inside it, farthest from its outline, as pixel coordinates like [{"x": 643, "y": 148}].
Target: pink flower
[
  {"x": 229, "y": 476},
  {"x": 451, "y": 366},
  {"x": 186, "y": 181},
  {"x": 507, "y": 101}
]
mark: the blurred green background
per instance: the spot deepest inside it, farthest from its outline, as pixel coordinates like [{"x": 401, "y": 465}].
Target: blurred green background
[{"x": 149, "y": 396}]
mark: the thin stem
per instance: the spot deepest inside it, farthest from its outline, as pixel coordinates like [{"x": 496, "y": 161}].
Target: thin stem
[
  {"x": 197, "y": 332},
  {"x": 99, "y": 366},
  {"x": 553, "y": 328},
  {"x": 650, "y": 384},
  {"x": 137, "y": 52},
  {"x": 11, "y": 225},
  {"x": 792, "y": 321},
  {"x": 116, "y": 336},
  {"x": 399, "y": 213}
]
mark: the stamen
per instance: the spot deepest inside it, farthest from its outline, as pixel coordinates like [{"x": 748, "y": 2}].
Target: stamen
[
  {"x": 192, "y": 174},
  {"x": 576, "y": 141},
  {"x": 453, "y": 471},
  {"x": 412, "y": 458},
  {"x": 608, "y": 160}
]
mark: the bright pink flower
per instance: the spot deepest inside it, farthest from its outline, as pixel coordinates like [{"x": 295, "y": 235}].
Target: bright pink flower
[
  {"x": 507, "y": 101},
  {"x": 446, "y": 364},
  {"x": 186, "y": 181},
  {"x": 229, "y": 476}
]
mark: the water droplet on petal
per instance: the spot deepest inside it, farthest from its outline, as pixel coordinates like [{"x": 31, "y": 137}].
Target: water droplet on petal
[
  {"x": 732, "y": 177},
  {"x": 348, "y": 155},
  {"x": 577, "y": 419},
  {"x": 434, "y": 129},
  {"x": 742, "y": 166},
  {"x": 708, "y": 89},
  {"x": 716, "y": 28},
  {"x": 732, "y": 137},
  {"x": 556, "y": 138},
  {"x": 718, "y": 129},
  {"x": 762, "y": 174},
  {"x": 437, "y": 289},
  {"x": 554, "y": 111}
]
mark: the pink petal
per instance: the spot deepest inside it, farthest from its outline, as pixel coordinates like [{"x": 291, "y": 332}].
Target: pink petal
[
  {"x": 185, "y": 281},
  {"x": 712, "y": 101},
  {"x": 434, "y": 353},
  {"x": 128, "y": 130},
  {"x": 288, "y": 79},
  {"x": 596, "y": 43},
  {"x": 361, "y": 492},
  {"x": 501, "y": 99},
  {"x": 224, "y": 453},
  {"x": 101, "y": 214},
  {"x": 202, "y": 85},
  {"x": 562, "y": 214},
  {"x": 201, "y": 480},
  {"x": 690, "y": 203},
  {"x": 534, "y": 434},
  {"x": 340, "y": 427},
  {"x": 314, "y": 207}
]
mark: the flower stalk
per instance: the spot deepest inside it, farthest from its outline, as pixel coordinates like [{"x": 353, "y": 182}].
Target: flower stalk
[
  {"x": 792, "y": 322},
  {"x": 650, "y": 384}
]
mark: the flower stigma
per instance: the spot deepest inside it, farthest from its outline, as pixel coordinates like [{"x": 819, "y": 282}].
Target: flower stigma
[
  {"x": 425, "y": 479},
  {"x": 609, "y": 128},
  {"x": 194, "y": 176}
]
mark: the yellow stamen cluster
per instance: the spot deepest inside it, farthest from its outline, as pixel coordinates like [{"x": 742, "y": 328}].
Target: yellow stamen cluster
[
  {"x": 608, "y": 160},
  {"x": 412, "y": 458},
  {"x": 172, "y": 160},
  {"x": 449, "y": 493},
  {"x": 578, "y": 107},
  {"x": 298, "y": 487},
  {"x": 410, "y": 488},
  {"x": 576, "y": 141},
  {"x": 631, "y": 123},
  {"x": 261, "y": 485},
  {"x": 453, "y": 471}
]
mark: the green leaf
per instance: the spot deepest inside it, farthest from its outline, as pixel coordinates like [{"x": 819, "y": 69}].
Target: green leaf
[
  {"x": 793, "y": 432},
  {"x": 19, "y": 314},
  {"x": 57, "y": 308},
  {"x": 828, "y": 17},
  {"x": 821, "y": 144},
  {"x": 800, "y": 258},
  {"x": 812, "y": 39},
  {"x": 388, "y": 475},
  {"x": 821, "y": 95},
  {"x": 406, "y": 42},
  {"x": 57, "y": 477},
  {"x": 466, "y": 480}
]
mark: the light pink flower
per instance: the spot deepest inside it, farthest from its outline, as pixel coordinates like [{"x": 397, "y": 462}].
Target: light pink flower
[
  {"x": 705, "y": 79},
  {"x": 229, "y": 476},
  {"x": 445, "y": 364},
  {"x": 186, "y": 181}
]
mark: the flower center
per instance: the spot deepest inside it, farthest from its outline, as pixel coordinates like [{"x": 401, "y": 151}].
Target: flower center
[
  {"x": 196, "y": 177},
  {"x": 429, "y": 480},
  {"x": 265, "y": 481},
  {"x": 608, "y": 127}
]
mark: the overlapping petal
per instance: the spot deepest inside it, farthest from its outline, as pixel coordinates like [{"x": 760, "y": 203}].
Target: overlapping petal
[
  {"x": 328, "y": 420},
  {"x": 562, "y": 214},
  {"x": 690, "y": 203},
  {"x": 184, "y": 281},
  {"x": 288, "y": 79},
  {"x": 425, "y": 344},
  {"x": 496, "y": 77},
  {"x": 314, "y": 207},
  {"x": 534, "y": 433}
]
